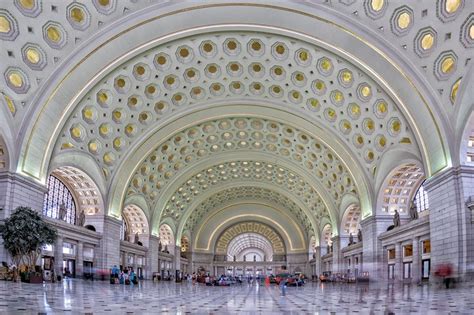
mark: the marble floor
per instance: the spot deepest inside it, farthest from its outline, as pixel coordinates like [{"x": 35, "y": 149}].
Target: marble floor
[{"x": 86, "y": 297}]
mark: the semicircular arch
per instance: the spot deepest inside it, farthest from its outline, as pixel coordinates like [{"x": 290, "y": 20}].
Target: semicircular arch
[
  {"x": 207, "y": 179},
  {"x": 234, "y": 193},
  {"x": 360, "y": 181},
  {"x": 227, "y": 240},
  {"x": 229, "y": 214},
  {"x": 351, "y": 40}
]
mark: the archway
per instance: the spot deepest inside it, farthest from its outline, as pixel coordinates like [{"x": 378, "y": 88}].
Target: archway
[
  {"x": 399, "y": 188},
  {"x": 312, "y": 247},
  {"x": 467, "y": 143},
  {"x": 4, "y": 156},
  {"x": 167, "y": 239},
  {"x": 326, "y": 235},
  {"x": 350, "y": 221},
  {"x": 137, "y": 223},
  {"x": 351, "y": 45},
  {"x": 87, "y": 194},
  {"x": 243, "y": 246}
]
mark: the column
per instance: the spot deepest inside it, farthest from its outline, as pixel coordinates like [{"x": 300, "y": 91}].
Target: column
[
  {"x": 134, "y": 265},
  {"x": 372, "y": 251},
  {"x": 317, "y": 254},
  {"x": 109, "y": 250},
  {"x": 384, "y": 263},
  {"x": 398, "y": 261},
  {"x": 177, "y": 258},
  {"x": 123, "y": 259},
  {"x": 152, "y": 260},
  {"x": 58, "y": 256},
  {"x": 451, "y": 232},
  {"x": 80, "y": 260},
  {"x": 337, "y": 264},
  {"x": 416, "y": 265},
  {"x": 17, "y": 190}
]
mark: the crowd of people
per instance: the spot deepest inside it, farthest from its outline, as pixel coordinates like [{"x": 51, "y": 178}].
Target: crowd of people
[{"x": 125, "y": 276}]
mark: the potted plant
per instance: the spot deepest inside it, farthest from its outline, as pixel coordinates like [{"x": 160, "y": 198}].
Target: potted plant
[{"x": 24, "y": 233}]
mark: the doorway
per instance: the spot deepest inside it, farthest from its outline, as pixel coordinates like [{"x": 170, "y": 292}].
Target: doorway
[{"x": 69, "y": 268}]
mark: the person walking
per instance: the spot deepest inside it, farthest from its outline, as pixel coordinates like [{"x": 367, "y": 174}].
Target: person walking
[{"x": 283, "y": 283}]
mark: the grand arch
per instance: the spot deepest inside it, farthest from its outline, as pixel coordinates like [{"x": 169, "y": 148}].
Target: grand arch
[{"x": 345, "y": 44}]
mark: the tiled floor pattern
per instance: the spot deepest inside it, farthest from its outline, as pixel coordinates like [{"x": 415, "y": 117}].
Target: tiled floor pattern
[{"x": 78, "y": 296}]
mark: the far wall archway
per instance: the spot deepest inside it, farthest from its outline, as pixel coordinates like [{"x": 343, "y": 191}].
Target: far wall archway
[
  {"x": 240, "y": 236},
  {"x": 4, "y": 156},
  {"x": 167, "y": 238},
  {"x": 211, "y": 228},
  {"x": 350, "y": 220},
  {"x": 399, "y": 188}
]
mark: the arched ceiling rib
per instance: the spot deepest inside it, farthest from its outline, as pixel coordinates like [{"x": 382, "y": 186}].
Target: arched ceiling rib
[{"x": 242, "y": 194}]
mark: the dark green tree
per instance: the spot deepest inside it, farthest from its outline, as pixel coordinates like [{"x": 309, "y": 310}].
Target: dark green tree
[{"x": 24, "y": 233}]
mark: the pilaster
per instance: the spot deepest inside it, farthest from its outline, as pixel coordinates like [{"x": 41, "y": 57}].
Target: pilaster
[
  {"x": 80, "y": 260},
  {"x": 58, "y": 256},
  {"x": 109, "y": 251},
  {"x": 317, "y": 255},
  {"x": 451, "y": 222},
  {"x": 398, "y": 261},
  {"x": 152, "y": 257},
  {"x": 372, "y": 252},
  {"x": 416, "y": 265},
  {"x": 17, "y": 190},
  {"x": 337, "y": 264},
  {"x": 177, "y": 258}
]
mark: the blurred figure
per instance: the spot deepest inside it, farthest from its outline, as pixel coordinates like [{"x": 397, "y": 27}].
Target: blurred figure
[
  {"x": 445, "y": 271},
  {"x": 283, "y": 282}
]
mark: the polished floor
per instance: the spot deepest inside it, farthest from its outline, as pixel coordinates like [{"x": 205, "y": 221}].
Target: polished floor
[{"x": 79, "y": 297}]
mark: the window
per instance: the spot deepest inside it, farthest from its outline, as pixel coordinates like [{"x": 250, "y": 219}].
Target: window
[
  {"x": 59, "y": 202},
  {"x": 391, "y": 271},
  {"x": 408, "y": 251},
  {"x": 69, "y": 249},
  {"x": 421, "y": 199},
  {"x": 391, "y": 254},
  {"x": 88, "y": 253},
  {"x": 426, "y": 266},
  {"x": 406, "y": 270},
  {"x": 426, "y": 247},
  {"x": 48, "y": 247}
]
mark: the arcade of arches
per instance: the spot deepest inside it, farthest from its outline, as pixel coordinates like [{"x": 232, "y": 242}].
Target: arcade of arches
[{"x": 237, "y": 138}]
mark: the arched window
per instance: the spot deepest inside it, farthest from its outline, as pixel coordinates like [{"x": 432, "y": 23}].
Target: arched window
[
  {"x": 59, "y": 202},
  {"x": 421, "y": 199}
]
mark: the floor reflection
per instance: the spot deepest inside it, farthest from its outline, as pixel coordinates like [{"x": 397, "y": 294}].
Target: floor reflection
[{"x": 148, "y": 297}]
